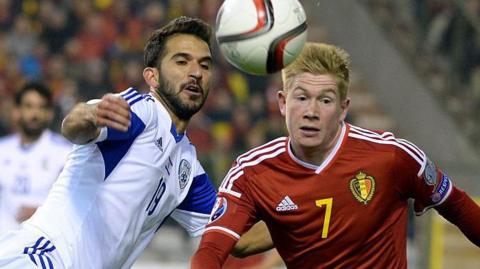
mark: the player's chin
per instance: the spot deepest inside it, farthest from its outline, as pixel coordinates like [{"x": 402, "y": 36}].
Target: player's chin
[{"x": 309, "y": 140}]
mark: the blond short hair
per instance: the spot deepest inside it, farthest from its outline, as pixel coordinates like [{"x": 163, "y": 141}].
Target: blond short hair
[{"x": 320, "y": 59}]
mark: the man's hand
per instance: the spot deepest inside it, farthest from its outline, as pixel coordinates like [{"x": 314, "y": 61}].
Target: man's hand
[
  {"x": 84, "y": 122},
  {"x": 113, "y": 111}
]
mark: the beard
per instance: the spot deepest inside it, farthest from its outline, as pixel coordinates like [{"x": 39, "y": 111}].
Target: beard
[
  {"x": 181, "y": 109},
  {"x": 32, "y": 130}
]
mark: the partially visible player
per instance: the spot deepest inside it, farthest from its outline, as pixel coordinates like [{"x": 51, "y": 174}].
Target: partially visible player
[
  {"x": 333, "y": 195},
  {"x": 31, "y": 158},
  {"x": 132, "y": 166}
]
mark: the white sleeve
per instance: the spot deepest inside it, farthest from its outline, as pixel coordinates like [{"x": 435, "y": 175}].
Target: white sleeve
[
  {"x": 141, "y": 116},
  {"x": 194, "y": 211}
]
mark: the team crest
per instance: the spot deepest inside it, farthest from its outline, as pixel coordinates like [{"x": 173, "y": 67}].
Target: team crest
[
  {"x": 362, "y": 187},
  {"x": 184, "y": 170},
  {"x": 219, "y": 209}
]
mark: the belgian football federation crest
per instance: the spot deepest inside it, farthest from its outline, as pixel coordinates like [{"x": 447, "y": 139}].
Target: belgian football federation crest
[
  {"x": 184, "y": 170},
  {"x": 362, "y": 187}
]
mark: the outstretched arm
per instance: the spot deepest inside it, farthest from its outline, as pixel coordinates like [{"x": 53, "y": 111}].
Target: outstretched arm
[
  {"x": 254, "y": 241},
  {"x": 84, "y": 122},
  {"x": 462, "y": 211},
  {"x": 213, "y": 251}
]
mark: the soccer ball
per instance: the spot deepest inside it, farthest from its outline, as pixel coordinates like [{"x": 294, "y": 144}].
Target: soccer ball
[{"x": 261, "y": 36}]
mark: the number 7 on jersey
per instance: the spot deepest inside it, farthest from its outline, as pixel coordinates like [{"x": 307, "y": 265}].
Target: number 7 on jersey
[{"x": 328, "y": 212}]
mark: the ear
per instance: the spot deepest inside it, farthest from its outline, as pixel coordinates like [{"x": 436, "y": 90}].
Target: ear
[
  {"x": 282, "y": 102},
  {"x": 344, "y": 105},
  {"x": 151, "y": 76}
]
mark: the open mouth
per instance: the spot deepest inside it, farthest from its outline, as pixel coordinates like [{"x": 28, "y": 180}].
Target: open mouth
[{"x": 193, "y": 88}]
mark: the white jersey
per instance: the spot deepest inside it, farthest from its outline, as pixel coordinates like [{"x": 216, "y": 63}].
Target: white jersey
[
  {"x": 27, "y": 173},
  {"x": 115, "y": 192}
]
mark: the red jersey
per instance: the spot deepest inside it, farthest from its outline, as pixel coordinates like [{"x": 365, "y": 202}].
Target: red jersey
[{"x": 349, "y": 212}]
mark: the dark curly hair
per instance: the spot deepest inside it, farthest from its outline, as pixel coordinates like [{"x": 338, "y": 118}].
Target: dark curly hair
[
  {"x": 35, "y": 86},
  {"x": 155, "y": 46}
]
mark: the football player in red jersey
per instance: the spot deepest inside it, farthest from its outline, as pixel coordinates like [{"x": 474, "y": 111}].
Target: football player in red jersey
[{"x": 333, "y": 195}]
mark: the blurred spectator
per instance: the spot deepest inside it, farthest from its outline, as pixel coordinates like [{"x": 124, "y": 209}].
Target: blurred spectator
[
  {"x": 443, "y": 42},
  {"x": 28, "y": 166}
]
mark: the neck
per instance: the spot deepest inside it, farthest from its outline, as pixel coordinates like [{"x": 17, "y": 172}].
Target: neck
[
  {"x": 316, "y": 155},
  {"x": 180, "y": 124},
  {"x": 26, "y": 140}
]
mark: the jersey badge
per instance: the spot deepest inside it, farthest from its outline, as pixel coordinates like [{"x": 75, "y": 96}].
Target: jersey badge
[
  {"x": 184, "y": 170},
  {"x": 362, "y": 187},
  {"x": 219, "y": 209},
  {"x": 430, "y": 174},
  {"x": 286, "y": 205}
]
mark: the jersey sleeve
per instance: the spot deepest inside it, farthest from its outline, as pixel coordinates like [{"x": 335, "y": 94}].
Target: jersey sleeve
[
  {"x": 233, "y": 214},
  {"x": 141, "y": 115},
  {"x": 194, "y": 211},
  {"x": 420, "y": 178},
  {"x": 234, "y": 211}
]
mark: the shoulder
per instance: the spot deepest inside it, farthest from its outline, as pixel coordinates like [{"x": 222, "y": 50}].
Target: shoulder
[
  {"x": 253, "y": 163},
  {"x": 141, "y": 104},
  {"x": 255, "y": 159},
  {"x": 385, "y": 141},
  {"x": 133, "y": 96},
  {"x": 8, "y": 140}
]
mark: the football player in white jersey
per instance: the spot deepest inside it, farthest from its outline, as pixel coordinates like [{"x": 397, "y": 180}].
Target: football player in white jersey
[
  {"x": 132, "y": 166},
  {"x": 28, "y": 167}
]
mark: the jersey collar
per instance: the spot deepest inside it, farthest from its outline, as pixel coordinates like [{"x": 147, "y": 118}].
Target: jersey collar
[{"x": 319, "y": 168}]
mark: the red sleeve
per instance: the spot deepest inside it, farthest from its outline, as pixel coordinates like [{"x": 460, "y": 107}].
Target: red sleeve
[
  {"x": 462, "y": 211},
  {"x": 213, "y": 251},
  {"x": 234, "y": 213},
  {"x": 420, "y": 178}
]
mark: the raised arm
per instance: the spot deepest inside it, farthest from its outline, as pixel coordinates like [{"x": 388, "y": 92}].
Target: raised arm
[{"x": 85, "y": 120}]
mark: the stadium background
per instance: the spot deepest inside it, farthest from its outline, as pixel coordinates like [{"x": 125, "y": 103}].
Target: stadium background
[{"x": 416, "y": 72}]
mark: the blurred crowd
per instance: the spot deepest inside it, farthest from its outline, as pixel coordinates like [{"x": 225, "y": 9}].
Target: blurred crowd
[
  {"x": 441, "y": 38},
  {"x": 84, "y": 49}
]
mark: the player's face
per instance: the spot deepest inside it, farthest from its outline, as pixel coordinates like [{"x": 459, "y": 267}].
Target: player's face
[
  {"x": 313, "y": 112},
  {"x": 34, "y": 114},
  {"x": 185, "y": 74}
]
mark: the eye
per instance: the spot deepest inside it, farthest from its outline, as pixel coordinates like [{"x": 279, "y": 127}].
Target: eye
[
  {"x": 181, "y": 62},
  {"x": 326, "y": 100},
  {"x": 205, "y": 66},
  {"x": 301, "y": 97}
]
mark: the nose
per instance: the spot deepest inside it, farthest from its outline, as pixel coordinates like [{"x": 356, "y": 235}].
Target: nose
[
  {"x": 311, "y": 111},
  {"x": 195, "y": 71}
]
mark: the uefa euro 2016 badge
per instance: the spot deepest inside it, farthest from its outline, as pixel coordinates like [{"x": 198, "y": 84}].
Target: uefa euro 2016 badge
[
  {"x": 219, "y": 209},
  {"x": 363, "y": 187},
  {"x": 184, "y": 170}
]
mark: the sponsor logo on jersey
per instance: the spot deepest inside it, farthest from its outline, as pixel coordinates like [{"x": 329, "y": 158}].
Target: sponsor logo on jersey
[
  {"x": 219, "y": 209},
  {"x": 184, "y": 170},
  {"x": 159, "y": 144},
  {"x": 286, "y": 205},
  {"x": 363, "y": 187},
  {"x": 441, "y": 190},
  {"x": 430, "y": 174}
]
